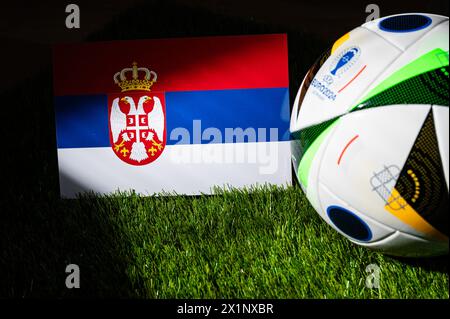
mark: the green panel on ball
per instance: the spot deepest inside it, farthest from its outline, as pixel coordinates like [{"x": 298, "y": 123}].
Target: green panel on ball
[
  {"x": 432, "y": 60},
  {"x": 305, "y": 164},
  {"x": 427, "y": 88},
  {"x": 308, "y": 142}
]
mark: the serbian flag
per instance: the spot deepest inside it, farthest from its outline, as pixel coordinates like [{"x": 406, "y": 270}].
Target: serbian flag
[{"x": 172, "y": 115}]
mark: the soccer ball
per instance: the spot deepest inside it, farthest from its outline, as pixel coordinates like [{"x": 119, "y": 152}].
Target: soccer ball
[{"x": 370, "y": 135}]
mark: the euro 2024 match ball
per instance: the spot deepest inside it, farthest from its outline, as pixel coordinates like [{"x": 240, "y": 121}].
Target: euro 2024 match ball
[{"x": 370, "y": 135}]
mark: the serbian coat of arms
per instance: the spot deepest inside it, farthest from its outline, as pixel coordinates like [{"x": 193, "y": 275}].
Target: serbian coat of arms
[{"x": 137, "y": 117}]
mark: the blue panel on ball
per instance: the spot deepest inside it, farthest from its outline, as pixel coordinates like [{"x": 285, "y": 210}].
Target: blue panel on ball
[
  {"x": 348, "y": 223},
  {"x": 405, "y": 23}
]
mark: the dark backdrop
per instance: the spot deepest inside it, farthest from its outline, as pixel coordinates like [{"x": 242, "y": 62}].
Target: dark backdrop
[{"x": 28, "y": 30}]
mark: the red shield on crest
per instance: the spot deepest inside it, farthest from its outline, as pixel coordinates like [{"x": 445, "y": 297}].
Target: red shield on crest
[{"x": 137, "y": 118}]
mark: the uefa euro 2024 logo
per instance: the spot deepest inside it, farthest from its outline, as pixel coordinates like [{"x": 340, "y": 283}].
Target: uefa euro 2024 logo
[{"x": 345, "y": 61}]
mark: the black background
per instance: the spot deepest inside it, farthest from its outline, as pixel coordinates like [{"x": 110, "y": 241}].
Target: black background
[{"x": 27, "y": 30}]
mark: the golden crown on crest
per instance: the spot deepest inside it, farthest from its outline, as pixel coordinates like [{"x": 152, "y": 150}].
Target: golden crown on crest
[{"x": 135, "y": 83}]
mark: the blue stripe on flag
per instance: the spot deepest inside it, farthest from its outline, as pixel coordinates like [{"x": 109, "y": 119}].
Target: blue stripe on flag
[{"x": 82, "y": 121}]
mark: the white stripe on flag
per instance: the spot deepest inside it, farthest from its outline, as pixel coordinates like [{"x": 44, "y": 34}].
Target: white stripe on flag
[{"x": 178, "y": 167}]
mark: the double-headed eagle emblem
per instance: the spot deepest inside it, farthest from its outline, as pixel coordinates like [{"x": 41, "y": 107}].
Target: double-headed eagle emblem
[{"x": 137, "y": 118}]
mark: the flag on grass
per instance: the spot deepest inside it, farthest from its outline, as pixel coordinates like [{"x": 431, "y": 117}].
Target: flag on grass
[{"x": 172, "y": 115}]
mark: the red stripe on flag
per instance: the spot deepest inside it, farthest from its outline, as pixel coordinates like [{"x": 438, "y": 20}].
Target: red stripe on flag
[{"x": 186, "y": 64}]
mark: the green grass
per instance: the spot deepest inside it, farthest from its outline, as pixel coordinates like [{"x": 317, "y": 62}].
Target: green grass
[{"x": 268, "y": 243}]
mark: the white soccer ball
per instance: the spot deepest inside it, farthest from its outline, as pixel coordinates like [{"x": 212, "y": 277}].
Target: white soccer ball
[{"x": 370, "y": 135}]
